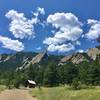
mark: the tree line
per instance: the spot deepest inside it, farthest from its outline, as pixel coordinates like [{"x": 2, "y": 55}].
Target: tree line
[{"x": 50, "y": 74}]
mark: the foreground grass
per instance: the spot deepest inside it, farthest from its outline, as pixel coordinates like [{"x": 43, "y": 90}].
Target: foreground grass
[
  {"x": 64, "y": 93},
  {"x": 2, "y": 88}
]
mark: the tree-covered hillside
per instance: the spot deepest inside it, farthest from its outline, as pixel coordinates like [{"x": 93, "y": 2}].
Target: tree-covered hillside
[
  {"x": 48, "y": 72},
  {"x": 13, "y": 61}
]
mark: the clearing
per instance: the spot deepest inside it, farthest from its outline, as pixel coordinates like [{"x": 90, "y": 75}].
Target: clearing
[{"x": 16, "y": 94}]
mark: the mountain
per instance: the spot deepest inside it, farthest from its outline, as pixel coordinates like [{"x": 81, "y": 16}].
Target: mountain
[
  {"x": 12, "y": 61},
  {"x": 22, "y": 60},
  {"x": 36, "y": 59},
  {"x": 80, "y": 57},
  {"x": 93, "y": 52},
  {"x": 75, "y": 58}
]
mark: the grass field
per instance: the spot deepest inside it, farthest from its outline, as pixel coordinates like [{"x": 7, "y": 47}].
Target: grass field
[
  {"x": 64, "y": 93},
  {"x": 2, "y": 88}
]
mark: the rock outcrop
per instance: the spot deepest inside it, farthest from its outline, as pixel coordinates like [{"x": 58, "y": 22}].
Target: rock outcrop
[
  {"x": 22, "y": 60},
  {"x": 93, "y": 52},
  {"x": 15, "y": 60},
  {"x": 76, "y": 58},
  {"x": 39, "y": 57},
  {"x": 80, "y": 57}
]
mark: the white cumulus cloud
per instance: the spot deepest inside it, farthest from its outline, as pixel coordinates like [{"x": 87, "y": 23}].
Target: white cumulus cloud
[
  {"x": 94, "y": 31},
  {"x": 39, "y": 11},
  {"x": 11, "y": 44},
  {"x": 38, "y": 48},
  {"x": 68, "y": 30},
  {"x": 80, "y": 51},
  {"x": 20, "y": 26},
  {"x": 78, "y": 43},
  {"x": 61, "y": 48}
]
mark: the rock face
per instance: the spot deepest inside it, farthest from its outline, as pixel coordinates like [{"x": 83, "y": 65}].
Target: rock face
[
  {"x": 23, "y": 60},
  {"x": 39, "y": 57},
  {"x": 15, "y": 60},
  {"x": 4, "y": 57},
  {"x": 93, "y": 52},
  {"x": 80, "y": 57},
  {"x": 66, "y": 58},
  {"x": 76, "y": 58}
]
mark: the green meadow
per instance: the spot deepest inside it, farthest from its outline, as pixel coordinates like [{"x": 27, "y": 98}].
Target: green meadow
[
  {"x": 2, "y": 88},
  {"x": 65, "y": 93}
]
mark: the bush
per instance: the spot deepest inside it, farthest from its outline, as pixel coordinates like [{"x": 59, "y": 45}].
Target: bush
[{"x": 76, "y": 84}]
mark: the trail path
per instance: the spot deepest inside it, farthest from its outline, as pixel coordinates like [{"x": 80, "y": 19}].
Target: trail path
[{"x": 16, "y": 95}]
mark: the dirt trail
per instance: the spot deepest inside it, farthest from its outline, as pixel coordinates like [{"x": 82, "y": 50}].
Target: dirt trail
[{"x": 16, "y": 95}]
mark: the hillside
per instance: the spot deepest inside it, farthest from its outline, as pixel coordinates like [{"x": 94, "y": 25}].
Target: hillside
[
  {"x": 22, "y": 60},
  {"x": 50, "y": 70},
  {"x": 12, "y": 61},
  {"x": 80, "y": 57}
]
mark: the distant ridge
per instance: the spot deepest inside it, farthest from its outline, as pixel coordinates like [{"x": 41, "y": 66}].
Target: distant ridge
[
  {"x": 22, "y": 60},
  {"x": 80, "y": 57}
]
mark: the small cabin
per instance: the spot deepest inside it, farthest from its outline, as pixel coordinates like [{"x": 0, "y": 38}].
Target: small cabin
[{"x": 30, "y": 84}]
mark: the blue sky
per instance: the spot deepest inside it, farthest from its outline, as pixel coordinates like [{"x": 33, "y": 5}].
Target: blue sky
[{"x": 40, "y": 33}]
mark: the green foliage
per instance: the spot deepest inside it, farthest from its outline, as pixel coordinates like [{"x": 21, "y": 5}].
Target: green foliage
[
  {"x": 67, "y": 73},
  {"x": 76, "y": 84},
  {"x": 51, "y": 76},
  {"x": 49, "y": 73}
]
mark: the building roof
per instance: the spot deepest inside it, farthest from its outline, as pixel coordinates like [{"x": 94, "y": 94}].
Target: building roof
[{"x": 32, "y": 82}]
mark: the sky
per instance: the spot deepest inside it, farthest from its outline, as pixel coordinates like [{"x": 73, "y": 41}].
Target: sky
[{"x": 58, "y": 26}]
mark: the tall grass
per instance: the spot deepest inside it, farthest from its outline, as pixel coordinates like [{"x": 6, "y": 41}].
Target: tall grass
[
  {"x": 2, "y": 88},
  {"x": 64, "y": 93}
]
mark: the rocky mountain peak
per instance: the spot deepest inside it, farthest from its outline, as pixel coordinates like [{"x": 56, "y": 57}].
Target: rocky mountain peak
[
  {"x": 39, "y": 57},
  {"x": 23, "y": 60},
  {"x": 75, "y": 58},
  {"x": 80, "y": 57},
  {"x": 93, "y": 52}
]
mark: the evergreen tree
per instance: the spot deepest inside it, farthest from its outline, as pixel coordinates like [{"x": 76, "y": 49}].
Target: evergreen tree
[
  {"x": 51, "y": 76},
  {"x": 68, "y": 72}
]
